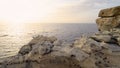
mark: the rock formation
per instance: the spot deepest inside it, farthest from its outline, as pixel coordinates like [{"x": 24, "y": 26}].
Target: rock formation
[
  {"x": 101, "y": 50},
  {"x": 110, "y": 18}
]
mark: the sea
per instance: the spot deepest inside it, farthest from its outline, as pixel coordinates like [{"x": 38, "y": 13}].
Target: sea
[{"x": 14, "y": 36}]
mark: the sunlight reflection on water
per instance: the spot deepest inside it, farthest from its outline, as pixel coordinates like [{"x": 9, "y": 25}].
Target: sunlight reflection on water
[{"x": 14, "y": 36}]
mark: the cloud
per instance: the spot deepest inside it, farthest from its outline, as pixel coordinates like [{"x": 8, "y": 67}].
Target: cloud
[
  {"x": 53, "y": 10},
  {"x": 81, "y": 10}
]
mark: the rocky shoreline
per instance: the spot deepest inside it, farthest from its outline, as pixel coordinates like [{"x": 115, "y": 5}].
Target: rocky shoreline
[{"x": 101, "y": 50}]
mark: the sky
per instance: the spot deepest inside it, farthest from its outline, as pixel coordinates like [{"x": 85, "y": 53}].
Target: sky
[{"x": 53, "y": 11}]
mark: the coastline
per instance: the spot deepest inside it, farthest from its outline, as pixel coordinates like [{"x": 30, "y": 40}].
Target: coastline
[
  {"x": 101, "y": 50},
  {"x": 10, "y": 45}
]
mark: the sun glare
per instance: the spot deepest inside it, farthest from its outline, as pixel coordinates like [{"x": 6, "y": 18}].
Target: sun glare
[
  {"x": 22, "y": 11},
  {"x": 15, "y": 29}
]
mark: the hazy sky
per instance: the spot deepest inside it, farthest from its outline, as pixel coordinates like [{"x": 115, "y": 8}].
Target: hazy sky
[{"x": 57, "y": 11}]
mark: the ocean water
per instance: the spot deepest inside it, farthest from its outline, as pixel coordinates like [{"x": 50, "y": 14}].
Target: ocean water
[{"x": 14, "y": 36}]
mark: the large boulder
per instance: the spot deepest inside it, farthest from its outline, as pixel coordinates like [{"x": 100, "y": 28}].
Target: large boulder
[
  {"x": 107, "y": 23},
  {"x": 110, "y": 12},
  {"x": 109, "y": 19}
]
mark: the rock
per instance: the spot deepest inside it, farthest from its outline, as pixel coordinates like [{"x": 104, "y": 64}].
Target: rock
[
  {"x": 37, "y": 39},
  {"x": 118, "y": 20},
  {"x": 110, "y": 18},
  {"x": 89, "y": 45},
  {"x": 105, "y": 48},
  {"x": 80, "y": 42},
  {"x": 68, "y": 51},
  {"x": 62, "y": 50},
  {"x": 78, "y": 54},
  {"x": 110, "y": 12},
  {"x": 115, "y": 31},
  {"x": 83, "y": 52},
  {"x": 106, "y": 23},
  {"x": 57, "y": 62},
  {"x": 52, "y": 39},
  {"x": 106, "y": 32},
  {"x": 57, "y": 43},
  {"x": 89, "y": 63},
  {"x": 101, "y": 38},
  {"x": 41, "y": 39},
  {"x": 42, "y": 49},
  {"x": 25, "y": 50},
  {"x": 118, "y": 39}
]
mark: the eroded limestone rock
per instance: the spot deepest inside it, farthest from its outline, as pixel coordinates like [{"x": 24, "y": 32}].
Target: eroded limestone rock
[
  {"x": 101, "y": 38},
  {"x": 110, "y": 12},
  {"x": 86, "y": 52},
  {"x": 25, "y": 49},
  {"x": 110, "y": 18}
]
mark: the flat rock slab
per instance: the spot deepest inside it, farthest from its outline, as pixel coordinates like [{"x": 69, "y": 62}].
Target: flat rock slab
[{"x": 110, "y": 12}]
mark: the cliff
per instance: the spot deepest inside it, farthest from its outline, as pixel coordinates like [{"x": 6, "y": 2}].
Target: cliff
[{"x": 101, "y": 50}]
